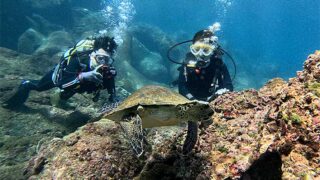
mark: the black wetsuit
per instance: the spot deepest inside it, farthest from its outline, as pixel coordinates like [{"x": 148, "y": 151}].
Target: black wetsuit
[
  {"x": 68, "y": 83},
  {"x": 201, "y": 83},
  {"x": 71, "y": 84}
]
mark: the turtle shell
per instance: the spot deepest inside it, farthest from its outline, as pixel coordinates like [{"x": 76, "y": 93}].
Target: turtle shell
[{"x": 152, "y": 95}]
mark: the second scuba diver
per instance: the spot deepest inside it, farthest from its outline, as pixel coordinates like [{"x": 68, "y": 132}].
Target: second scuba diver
[
  {"x": 87, "y": 67},
  {"x": 203, "y": 75}
]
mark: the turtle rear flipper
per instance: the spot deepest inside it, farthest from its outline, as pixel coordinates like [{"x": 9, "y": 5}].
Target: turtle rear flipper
[
  {"x": 132, "y": 128},
  {"x": 191, "y": 138}
]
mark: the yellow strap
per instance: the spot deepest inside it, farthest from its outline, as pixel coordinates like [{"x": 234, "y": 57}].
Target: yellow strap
[{"x": 82, "y": 44}]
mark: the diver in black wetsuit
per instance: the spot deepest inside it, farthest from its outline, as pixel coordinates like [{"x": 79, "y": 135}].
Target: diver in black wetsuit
[
  {"x": 87, "y": 67},
  {"x": 203, "y": 75}
]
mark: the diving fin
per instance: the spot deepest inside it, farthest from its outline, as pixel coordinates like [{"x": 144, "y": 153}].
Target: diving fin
[{"x": 19, "y": 97}]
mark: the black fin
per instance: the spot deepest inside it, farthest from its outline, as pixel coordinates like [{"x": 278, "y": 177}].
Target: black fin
[{"x": 19, "y": 97}]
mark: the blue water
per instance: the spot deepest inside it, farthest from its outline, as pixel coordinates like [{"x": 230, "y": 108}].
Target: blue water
[{"x": 266, "y": 38}]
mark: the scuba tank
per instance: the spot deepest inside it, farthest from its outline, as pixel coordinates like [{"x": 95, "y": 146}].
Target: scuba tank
[{"x": 82, "y": 48}]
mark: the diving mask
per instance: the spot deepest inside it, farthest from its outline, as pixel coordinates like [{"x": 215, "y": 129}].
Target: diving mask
[
  {"x": 103, "y": 59},
  {"x": 202, "y": 49}
]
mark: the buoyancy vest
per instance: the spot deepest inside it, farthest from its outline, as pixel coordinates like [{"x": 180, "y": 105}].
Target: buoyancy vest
[{"x": 82, "y": 48}]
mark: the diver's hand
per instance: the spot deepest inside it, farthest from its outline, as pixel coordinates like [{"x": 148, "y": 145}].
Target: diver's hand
[
  {"x": 210, "y": 98},
  {"x": 221, "y": 91},
  {"x": 189, "y": 96},
  {"x": 201, "y": 102},
  {"x": 92, "y": 76}
]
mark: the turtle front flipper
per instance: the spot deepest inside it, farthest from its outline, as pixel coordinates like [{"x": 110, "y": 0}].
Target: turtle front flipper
[
  {"x": 191, "y": 138},
  {"x": 132, "y": 128}
]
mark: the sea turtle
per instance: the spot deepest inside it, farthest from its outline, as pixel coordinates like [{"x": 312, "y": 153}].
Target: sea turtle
[{"x": 155, "y": 106}]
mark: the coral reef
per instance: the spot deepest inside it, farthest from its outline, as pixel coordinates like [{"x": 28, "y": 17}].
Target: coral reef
[{"x": 273, "y": 133}]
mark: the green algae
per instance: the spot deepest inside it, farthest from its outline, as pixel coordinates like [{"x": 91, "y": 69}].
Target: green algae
[
  {"x": 295, "y": 118},
  {"x": 315, "y": 87},
  {"x": 291, "y": 118},
  {"x": 222, "y": 149}
]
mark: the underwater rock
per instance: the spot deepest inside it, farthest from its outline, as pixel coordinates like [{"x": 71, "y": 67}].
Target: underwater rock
[
  {"x": 155, "y": 40},
  {"x": 152, "y": 67},
  {"x": 25, "y": 130},
  {"x": 29, "y": 41},
  {"x": 270, "y": 133},
  {"x": 96, "y": 150},
  {"x": 87, "y": 22},
  {"x": 42, "y": 25},
  {"x": 150, "y": 64},
  {"x": 48, "y": 51},
  {"x": 57, "y": 41},
  {"x": 45, "y": 4},
  {"x": 128, "y": 77}
]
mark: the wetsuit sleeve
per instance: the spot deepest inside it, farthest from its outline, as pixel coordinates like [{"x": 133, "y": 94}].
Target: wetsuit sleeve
[
  {"x": 70, "y": 74},
  {"x": 226, "y": 79}
]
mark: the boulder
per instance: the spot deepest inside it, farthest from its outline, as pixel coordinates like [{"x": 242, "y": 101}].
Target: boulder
[
  {"x": 29, "y": 41},
  {"x": 45, "y": 4},
  {"x": 58, "y": 41},
  {"x": 42, "y": 25},
  {"x": 155, "y": 40},
  {"x": 148, "y": 63},
  {"x": 128, "y": 77}
]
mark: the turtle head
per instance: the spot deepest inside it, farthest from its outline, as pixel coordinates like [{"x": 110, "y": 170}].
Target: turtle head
[{"x": 196, "y": 111}]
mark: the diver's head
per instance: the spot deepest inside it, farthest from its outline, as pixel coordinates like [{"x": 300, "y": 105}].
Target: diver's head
[
  {"x": 204, "y": 43},
  {"x": 103, "y": 50}
]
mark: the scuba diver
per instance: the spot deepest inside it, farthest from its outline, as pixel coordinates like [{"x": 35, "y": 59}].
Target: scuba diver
[
  {"x": 87, "y": 67},
  {"x": 203, "y": 75}
]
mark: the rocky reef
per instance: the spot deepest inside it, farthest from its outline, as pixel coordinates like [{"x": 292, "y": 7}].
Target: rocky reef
[
  {"x": 23, "y": 131},
  {"x": 272, "y": 133}
]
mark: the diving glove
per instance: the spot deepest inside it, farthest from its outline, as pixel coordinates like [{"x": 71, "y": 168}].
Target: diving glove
[
  {"x": 189, "y": 96},
  {"x": 221, "y": 91},
  {"x": 216, "y": 94},
  {"x": 92, "y": 76}
]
